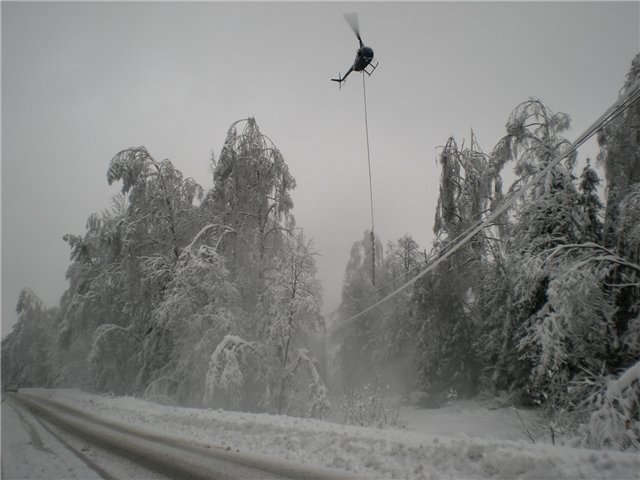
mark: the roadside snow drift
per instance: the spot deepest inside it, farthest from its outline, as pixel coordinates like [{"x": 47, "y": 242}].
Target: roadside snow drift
[{"x": 362, "y": 452}]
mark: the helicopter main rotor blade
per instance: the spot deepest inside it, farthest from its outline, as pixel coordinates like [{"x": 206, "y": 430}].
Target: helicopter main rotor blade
[{"x": 352, "y": 20}]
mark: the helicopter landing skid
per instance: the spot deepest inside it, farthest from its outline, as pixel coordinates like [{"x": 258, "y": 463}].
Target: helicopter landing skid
[{"x": 369, "y": 69}]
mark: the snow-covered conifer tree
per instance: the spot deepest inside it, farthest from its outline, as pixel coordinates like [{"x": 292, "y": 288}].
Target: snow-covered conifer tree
[{"x": 446, "y": 299}]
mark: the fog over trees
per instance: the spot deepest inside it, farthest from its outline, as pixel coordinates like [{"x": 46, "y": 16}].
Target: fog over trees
[{"x": 210, "y": 298}]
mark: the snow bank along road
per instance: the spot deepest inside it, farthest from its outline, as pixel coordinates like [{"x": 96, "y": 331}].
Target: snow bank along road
[
  {"x": 191, "y": 443},
  {"x": 160, "y": 456}
]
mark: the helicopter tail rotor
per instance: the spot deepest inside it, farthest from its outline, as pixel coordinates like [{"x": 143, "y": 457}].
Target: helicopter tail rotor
[
  {"x": 352, "y": 20},
  {"x": 340, "y": 79}
]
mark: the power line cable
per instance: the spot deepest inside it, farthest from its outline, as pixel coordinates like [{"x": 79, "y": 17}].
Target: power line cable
[{"x": 616, "y": 109}]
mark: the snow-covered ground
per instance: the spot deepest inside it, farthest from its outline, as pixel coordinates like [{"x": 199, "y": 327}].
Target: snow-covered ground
[
  {"x": 473, "y": 419},
  {"x": 457, "y": 442},
  {"x": 36, "y": 450},
  {"x": 29, "y": 451}
]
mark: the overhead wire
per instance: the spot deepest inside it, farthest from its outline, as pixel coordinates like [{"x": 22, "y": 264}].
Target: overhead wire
[{"x": 616, "y": 109}]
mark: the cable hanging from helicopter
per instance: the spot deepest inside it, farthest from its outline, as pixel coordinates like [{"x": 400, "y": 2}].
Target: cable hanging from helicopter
[{"x": 364, "y": 63}]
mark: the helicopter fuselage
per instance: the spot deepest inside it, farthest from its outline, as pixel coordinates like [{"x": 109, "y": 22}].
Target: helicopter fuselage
[{"x": 363, "y": 58}]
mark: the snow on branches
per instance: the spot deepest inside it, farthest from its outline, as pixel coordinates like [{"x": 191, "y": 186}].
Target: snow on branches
[
  {"x": 197, "y": 309},
  {"x": 110, "y": 359},
  {"x": 532, "y": 137},
  {"x": 304, "y": 369},
  {"x": 293, "y": 292},
  {"x": 629, "y": 224},
  {"x": 199, "y": 279},
  {"x": 28, "y": 303},
  {"x": 257, "y": 361},
  {"x": 233, "y": 362},
  {"x": 616, "y": 422},
  {"x": 127, "y": 166}
]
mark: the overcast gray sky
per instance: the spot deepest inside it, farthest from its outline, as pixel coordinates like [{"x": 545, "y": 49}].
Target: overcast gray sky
[{"x": 82, "y": 81}]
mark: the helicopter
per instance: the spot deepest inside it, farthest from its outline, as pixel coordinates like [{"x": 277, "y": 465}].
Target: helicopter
[{"x": 364, "y": 56}]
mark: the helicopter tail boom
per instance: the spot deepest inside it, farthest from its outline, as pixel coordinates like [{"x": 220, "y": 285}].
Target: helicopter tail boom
[
  {"x": 339, "y": 80},
  {"x": 342, "y": 79}
]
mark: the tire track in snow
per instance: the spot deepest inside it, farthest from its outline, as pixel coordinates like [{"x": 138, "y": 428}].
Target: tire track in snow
[
  {"x": 171, "y": 456},
  {"x": 36, "y": 441},
  {"x": 33, "y": 433}
]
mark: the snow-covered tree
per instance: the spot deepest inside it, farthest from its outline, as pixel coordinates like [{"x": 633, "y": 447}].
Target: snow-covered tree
[
  {"x": 355, "y": 339},
  {"x": 240, "y": 373},
  {"x": 198, "y": 308},
  {"x": 615, "y": 422},
  {"x": 380, "y": 342},
  {"x": 251, "y": 192},
  {"x": 114, "y": 358},
  {"x": 445, "y": 354},
  {"x": 94, "y": 296},
  {"x": 120, "y": 268},
  {"x": 27, "y": 350},
  {"x": 591, "y": 203},
  {"x": 395, "y": 343},
  {"x": 160, "y": 285},
  {"x": 446, "y": 298},
  {"x": 159, "y": 197},
  {"x": 306, "y": 382},
  {"x": 533, "y": 139},
  {"x": 620, "y": 155},
  {"x": 549, "y": 214},
  {"x": 268, "y": 368},
  {"x": 294, "y": 298}
]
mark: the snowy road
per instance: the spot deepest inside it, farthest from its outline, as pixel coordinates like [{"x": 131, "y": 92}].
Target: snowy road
[
  {"x": 183, "y": 442},
  {"x": 48, "y": 440},
  {"x": 31, "y": 450}
]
